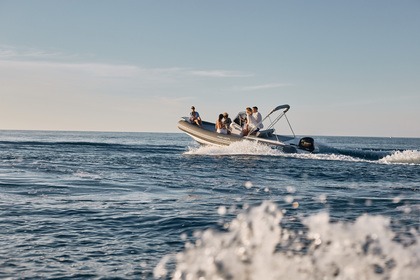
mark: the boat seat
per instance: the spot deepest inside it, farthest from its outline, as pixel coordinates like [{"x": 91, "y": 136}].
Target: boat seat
[{"x": 235, "y": 129}]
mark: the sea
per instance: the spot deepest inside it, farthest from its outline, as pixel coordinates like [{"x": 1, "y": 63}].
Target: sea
[{"x": 102, "y": 205}]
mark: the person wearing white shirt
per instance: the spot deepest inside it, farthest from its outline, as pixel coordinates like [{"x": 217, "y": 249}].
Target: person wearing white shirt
[
  {"x": 251, "y": 123},
  {"x": 257, "y": 117}
]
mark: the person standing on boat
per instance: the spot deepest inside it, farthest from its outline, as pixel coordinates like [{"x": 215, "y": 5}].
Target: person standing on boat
[
  {"x": 220, "y": 126},
  {"x": 251, "y": 123},
  {"x": 195, "y": 117},
  {"x": 257, "y": 117},
  {"x": 227, "y": 121}
]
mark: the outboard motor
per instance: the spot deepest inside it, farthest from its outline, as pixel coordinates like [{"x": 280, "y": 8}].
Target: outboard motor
[{"x": 307, "y": 143}]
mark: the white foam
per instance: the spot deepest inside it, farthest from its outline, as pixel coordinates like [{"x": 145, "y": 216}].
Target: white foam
[
  {"x": 236, "y": 148},
  {"x": 255, "y": 246},
  {"x": 254, "y": 148},
  {"x": 86, "y": 175},
  {"x": 404, "y": 157}
]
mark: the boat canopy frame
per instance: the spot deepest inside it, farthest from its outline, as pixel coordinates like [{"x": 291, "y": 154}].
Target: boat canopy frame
[{"x": 285, "y": 107}]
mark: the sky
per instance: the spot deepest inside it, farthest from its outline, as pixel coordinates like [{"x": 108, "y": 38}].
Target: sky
[{"x": 346, "y": 68}]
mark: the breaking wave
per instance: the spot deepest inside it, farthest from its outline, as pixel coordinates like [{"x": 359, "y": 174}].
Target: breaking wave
[{"x": 256, "y": 245}]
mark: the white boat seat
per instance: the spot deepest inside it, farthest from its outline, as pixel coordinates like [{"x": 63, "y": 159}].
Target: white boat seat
[{"x": 235, "y": 129}]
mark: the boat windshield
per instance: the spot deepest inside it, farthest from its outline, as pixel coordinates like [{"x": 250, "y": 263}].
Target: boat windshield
[{"x": 240, "y": 119}]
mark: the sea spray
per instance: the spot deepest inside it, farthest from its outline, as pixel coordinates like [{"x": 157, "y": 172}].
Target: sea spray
[
  {"x": 253, "y": 148},
  {"x": 236, "y": 148},
  {"x": 257, "y": 246},
  {"x": 403, "y": 157}
]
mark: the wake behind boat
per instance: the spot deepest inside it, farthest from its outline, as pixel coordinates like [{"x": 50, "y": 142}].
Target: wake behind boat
[{"x": 207, "y": 135}]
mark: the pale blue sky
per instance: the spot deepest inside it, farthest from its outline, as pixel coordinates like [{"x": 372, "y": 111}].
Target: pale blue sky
[{"x": 345, "y": 67}]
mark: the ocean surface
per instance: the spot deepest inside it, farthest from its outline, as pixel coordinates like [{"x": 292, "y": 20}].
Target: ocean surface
[{"x": 89, "y": 205}]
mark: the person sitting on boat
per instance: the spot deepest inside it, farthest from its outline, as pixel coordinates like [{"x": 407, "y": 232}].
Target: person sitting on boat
[
  {"x": 251, "y": 126},
  {"x": 257, "y": 117},
  {"x": 227, "y": 121},
  {"x": 195, "y": 117},
  {"x": 220, "y": 127}
]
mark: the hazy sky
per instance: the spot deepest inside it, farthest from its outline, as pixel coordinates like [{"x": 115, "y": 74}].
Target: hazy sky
[{"x": 345, "y": 67}]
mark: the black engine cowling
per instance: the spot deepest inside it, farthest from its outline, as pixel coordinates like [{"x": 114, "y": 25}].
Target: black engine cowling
[{"x": 307, "y": 143}]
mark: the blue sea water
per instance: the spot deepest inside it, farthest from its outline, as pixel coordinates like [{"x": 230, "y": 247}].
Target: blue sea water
[{"x": 91, "y": 205}]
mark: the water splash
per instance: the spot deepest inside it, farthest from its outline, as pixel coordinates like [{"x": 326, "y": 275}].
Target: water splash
[
  {"x": 256, "y": 246},
  {"x": 258, "y": 149},
  {"x": 404, "y": 157},
  {"x": 236, "y": 148}
]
